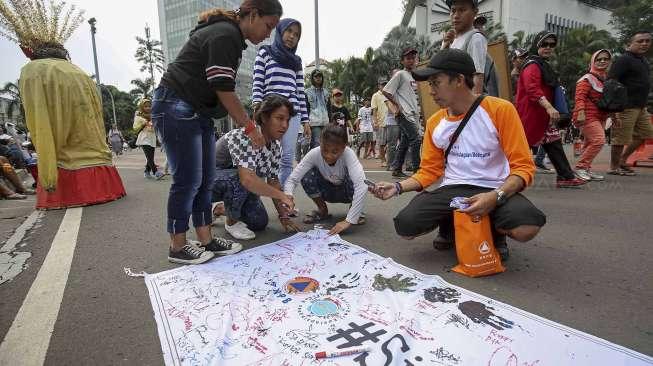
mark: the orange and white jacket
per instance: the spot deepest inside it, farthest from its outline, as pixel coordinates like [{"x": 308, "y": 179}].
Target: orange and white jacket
[{"x": 490, "y": 148}]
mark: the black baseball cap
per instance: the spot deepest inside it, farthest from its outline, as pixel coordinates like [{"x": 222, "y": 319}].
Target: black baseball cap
[
  {"x": 450, "y": 59},
  {"x": 450, "y": 2},
  {"x": 407, "y": 51}
]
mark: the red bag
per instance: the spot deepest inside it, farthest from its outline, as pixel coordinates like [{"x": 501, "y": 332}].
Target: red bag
[{"x": 475, "y": 249}]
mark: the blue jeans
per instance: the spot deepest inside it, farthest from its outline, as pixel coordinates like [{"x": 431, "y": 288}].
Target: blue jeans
[
  {"x": 239, "y": 203},
  {"x": 288, "y": 146},
  {"x": 189, "y": 142},
  {"x": 409, "y": 139},
  {"x": 316, "y": 134},
  {"x": 316, "y": 186}
]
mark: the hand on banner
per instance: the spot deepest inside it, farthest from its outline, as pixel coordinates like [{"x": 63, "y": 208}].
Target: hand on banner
[
  {"x": 288, "y": 225},
  {"x": 481, "y": 204},
  {"x": 339, "y": 227}
]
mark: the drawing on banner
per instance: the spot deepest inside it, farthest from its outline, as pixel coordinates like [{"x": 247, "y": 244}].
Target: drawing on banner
[{"x": 285, "y": 302}]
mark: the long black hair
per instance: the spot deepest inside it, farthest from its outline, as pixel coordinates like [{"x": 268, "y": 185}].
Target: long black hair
[{"x": 271, "y": 103}]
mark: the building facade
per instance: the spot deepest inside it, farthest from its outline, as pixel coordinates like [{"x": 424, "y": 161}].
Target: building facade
[
  {"x": 530, "y": 16},
  {"x": 7, "y": 114},
  {"x": 178, "y": 17}
]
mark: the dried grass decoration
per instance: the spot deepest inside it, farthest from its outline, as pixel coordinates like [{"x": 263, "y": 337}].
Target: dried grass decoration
[{"x": 32, "y": 23}]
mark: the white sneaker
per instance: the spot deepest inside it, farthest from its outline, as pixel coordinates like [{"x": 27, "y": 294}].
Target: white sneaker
[
  {"x": 239, "y": 231},
  {"x": 583, "y": 174},
  {"x": 596, "y": 177}
]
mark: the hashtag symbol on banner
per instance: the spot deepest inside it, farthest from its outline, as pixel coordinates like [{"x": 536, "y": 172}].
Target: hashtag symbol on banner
[{"x": 353, "y": 341}]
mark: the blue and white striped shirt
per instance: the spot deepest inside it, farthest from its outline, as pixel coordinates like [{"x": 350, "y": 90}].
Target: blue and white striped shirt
[{"x": 272, "y": 78}]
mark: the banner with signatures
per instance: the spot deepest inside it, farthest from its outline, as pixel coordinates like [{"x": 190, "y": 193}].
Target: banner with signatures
[{"x": 281, "y": 303}]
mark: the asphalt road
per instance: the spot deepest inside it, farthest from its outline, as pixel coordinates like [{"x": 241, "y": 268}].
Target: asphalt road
[{"x": 591, "y": 268}]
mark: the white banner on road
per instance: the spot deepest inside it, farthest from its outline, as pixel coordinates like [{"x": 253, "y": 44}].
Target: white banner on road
[{"x": 281, "y": 303}]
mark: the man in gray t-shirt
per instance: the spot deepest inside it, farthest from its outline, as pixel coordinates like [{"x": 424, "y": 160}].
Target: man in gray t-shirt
[{"x": 401, "y": 92}]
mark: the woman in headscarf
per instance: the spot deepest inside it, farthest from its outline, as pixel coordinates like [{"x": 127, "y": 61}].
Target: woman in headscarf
[
  {"x": 588, "y": 118},
  {"x": 278, "y": 70},
  {"x": 146, "y": 137},
  {"x": 534, "y": 102}
]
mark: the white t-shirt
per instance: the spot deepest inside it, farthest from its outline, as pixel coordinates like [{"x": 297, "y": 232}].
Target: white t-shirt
[
  {"x": 477, "y": 47},
  {"x": 365, "y": 117},
  {"x": 347, "y": 165}
]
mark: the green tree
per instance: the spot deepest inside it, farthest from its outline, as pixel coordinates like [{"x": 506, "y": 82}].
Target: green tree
[
  {"x": 633, "y": 15},
  {"x": 125, "y": 108},
  {"x": 12, "y": 92},
  {"x": 149, "y": 54},
  {"x": 521, "y": 40},
  {"x": 143, "y": 88}
]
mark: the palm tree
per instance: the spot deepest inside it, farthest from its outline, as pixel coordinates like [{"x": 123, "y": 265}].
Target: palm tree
[
  {"x": 143, "y": 88},
  {"x": 521, "y": 40},
  {"x": 12, "y": 91},
  {"x": 149, "y": 54}
]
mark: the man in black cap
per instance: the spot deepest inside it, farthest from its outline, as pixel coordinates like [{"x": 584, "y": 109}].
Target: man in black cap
[
  {"x": 317, "y": 98},
  {"x": 401, "y": 92},
  {"x": 488, "y": 162}
]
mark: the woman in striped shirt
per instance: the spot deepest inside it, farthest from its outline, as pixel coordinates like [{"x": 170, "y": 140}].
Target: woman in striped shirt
[{"x": 278, "y": 70}]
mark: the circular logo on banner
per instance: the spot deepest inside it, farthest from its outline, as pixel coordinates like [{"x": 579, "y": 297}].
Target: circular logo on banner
[
  {"x": 302, "y": 285},
  {"x": 324, "y": 310},
  {"x": 484, "y": 248}
]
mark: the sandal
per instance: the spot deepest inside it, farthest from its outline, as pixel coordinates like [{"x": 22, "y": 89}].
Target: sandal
[
  {"x": 315, "y": 216},
  {"x": 16, "y": 196},
  {"x": 620, "y": 172},
  {"x": 628, "y": 169}
]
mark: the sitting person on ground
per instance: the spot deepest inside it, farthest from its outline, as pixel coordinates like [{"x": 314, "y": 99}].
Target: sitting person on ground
[
  {"x": 19, "y": 191},
  {"x": 489, "y": 163},
  {"x": 331, "y": 173},
  {"x": 244, "y": 173}
]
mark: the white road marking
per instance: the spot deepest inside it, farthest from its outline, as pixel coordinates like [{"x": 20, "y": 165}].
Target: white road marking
[
  {"x": 12, "y": 263},
  {"x": 28, "y": 339}
]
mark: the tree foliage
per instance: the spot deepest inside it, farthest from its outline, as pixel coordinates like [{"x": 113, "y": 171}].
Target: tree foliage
[
  {"x": 634, "y": 15},
  {"x": 125, "y": 108},
  {"x": 150, "y": 55}
]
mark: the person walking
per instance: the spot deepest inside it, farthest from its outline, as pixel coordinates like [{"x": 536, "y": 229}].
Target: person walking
[
  {"x": 534, "y": 101},
  {"x": 633, "y": 125},
  {"x": 365, "y": 128},
  {"x": 317, "y": 97},
  {"x": 587, "y": 117},
  {"x": 278, "y": 70},
  {"x": 146, "y": 138},
  {"x": 197, "y": 87},
  {"x": 379, "y": 115},
  {"x": 116, "y": 140},
  {"x": 401, "y": 91}
]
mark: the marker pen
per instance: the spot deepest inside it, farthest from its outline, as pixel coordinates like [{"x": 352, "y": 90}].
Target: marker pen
[{"x": 347, "y": 352}]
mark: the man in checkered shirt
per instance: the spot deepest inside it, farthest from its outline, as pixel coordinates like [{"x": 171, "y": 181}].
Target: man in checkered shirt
[{"x": 244, "y": 173}]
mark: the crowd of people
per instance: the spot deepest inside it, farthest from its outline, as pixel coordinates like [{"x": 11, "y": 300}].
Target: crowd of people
[{"x": 478, "y": 146}]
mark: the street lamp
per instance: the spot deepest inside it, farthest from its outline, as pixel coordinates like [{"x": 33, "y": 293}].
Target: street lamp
[
  {"x": 113, "y": 104},
  {"x": 92, "y": 22},
  {"x": 317, "y": 38}
]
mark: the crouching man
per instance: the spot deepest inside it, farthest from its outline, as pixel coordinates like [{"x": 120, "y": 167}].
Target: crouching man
[{"x": 489, "y": 162}]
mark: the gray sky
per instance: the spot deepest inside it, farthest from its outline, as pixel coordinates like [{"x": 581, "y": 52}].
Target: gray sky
[{"x": 347, "y": 27}]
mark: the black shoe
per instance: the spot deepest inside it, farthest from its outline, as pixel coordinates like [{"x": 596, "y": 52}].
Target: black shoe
[
  {"x": 189, "y": 254},
  {"x": 220, "y": 246},
  {"x": 399, "y": 174},
  {"x": 502, "y": 247},
  {"x": 441, "y": 242}
]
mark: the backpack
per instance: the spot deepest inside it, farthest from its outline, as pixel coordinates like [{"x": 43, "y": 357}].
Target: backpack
[
  {"x": 490, "y": 78},
  {"x": 614, "y": 97}
]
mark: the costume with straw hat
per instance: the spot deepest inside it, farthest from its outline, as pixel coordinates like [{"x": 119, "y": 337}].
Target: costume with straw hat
[{"x": 62, "y": 107}]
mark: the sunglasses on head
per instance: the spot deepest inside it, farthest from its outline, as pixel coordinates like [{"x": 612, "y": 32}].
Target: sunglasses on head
[{"x": 548, "y": 44}]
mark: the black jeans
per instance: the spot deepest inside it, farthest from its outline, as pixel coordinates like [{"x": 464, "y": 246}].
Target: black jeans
[
  {"x": 409, "y": 139},
  {"x": 150, "y": 167},
  {"x": 556, "y": 154}
]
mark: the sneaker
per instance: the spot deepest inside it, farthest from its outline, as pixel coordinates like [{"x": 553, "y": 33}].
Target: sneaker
[
  {"x": 502, "y": 247},
  {"x": 190, "y": 254},
  {"x": 543, "y": 169},
  {"x": 583, "y": 174},
  {"x": 221, "y": 246},
  {"x": 399, "y": 174},
  {"x": 239, "y": 231},
  {"x": 570, "y": 183},
  {"x": 147, "y": 175},
  {"x": 596, "y": 177}
]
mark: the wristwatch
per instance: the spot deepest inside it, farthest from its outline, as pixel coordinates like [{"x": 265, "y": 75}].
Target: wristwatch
[{"x": 501, "y": 197}]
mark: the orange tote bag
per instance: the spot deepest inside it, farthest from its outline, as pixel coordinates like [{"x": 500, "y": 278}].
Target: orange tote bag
[{"x": 474, "y": 247}]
